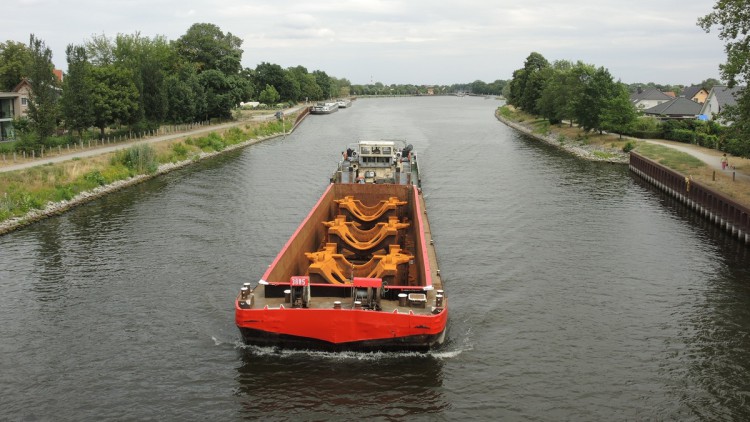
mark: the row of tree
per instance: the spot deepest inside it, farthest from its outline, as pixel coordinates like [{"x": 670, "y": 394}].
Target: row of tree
[
  {"x": 589, "y": 96},
  {"x": 477, "y": 87},
  {"x": 576, "y": 92},
  {"x": 142, "y": 82},
  {"x": 678, "y": 89}
]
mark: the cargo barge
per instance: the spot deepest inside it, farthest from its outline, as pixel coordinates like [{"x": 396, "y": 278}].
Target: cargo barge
[
  {"x": 360, "y": 272},
  {"x": 324, "y": 108}
]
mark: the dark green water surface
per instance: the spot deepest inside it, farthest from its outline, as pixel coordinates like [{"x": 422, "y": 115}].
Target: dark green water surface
[{"x": 576, "y": 291}]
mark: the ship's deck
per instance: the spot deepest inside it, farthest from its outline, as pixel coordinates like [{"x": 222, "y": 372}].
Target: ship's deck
[{"x": 272, "y": 296}]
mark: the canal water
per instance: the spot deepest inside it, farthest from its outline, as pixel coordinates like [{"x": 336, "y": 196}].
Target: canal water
[{"x": 577, "y": 292}]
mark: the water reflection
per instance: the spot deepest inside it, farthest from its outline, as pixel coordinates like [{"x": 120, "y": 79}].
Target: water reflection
[
  {"x": 49, "y": 285},
  {"x": 706, "y": 358},
  {"x": 331, "y": 385}
]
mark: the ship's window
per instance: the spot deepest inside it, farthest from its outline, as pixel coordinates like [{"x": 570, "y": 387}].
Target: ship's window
[
  {"x": 387, "y": 150},
  {"x": 365, "y": 150}
]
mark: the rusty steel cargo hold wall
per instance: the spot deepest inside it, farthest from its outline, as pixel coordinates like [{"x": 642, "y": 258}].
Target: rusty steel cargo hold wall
[{"x": 715, "y": 206}]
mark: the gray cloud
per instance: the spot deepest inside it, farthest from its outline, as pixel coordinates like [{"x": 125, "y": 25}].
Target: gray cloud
[{"x": 395, "y": 41}]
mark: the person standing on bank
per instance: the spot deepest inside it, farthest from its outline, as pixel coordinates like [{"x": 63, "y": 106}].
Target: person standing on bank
[{"x": 724, "y": 162}]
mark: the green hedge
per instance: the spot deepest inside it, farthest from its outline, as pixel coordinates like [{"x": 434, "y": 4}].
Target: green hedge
[{"x": 681, "y": 135}]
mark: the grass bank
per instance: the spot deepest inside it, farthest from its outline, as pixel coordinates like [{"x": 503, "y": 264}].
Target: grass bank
[
  {"x": 591, "y": 146},
  {"x": 52, "y": 187}
]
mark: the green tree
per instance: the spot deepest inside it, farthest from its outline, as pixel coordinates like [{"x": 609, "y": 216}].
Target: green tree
[
  {"x": 709, "y": 83},
  {"x": 114, "y": 96},
  {"x": 44, "y": 90},
  {"x": 324, "y": 82},
  {"x": 219, "y": 102},
  {"x": 15, "y": 59},
  {"x": 181, "y": 100},
  {"x": 528, "y": 83},
  {"x": 289, "y": 90},
  {"x": 309, "y": 89},
  {"x": 149, "y": 59},
  {"x": 269, "y": 95},
  {"x": 515, "y": 88},
  {"x": 100, "y": 50},
  {"x": 268, "y": 74},
  {"x": 564, "y": 90},
  {"x": 598, "y": 89},
  {"x": 342, "y": 87},
  {"x": 619, "y": 114},
  {"x": 76, "y": 101},
  {"x": 240, "y": 89},
  {"x": 478, "y": 87},
  {"x": 186, "y": 96},
  {"x": 555, "y": 101},
  {"x": 205, "y": 45},
  {"x": 731, "y": 17},
  {"x": 734, "y": 29},
  {"x": 153, "y": 94},
  {"x": 496, "y": 87}
]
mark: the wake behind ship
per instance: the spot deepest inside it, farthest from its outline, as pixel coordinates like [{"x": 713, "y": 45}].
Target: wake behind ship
[{"x": 360, "y": 272}]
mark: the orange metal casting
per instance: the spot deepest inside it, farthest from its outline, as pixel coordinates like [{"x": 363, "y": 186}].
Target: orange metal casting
[
  {"x": 363, "y": 213},
  {"x": 381, "y": 236},
  {"x": 328, "y": 266}
]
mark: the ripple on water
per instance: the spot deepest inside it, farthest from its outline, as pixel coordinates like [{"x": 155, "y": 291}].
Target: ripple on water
[{"x": 576, "y": 292}]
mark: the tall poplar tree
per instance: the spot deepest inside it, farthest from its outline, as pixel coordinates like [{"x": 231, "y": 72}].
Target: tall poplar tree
[
  {"x": 44, "y": 91},
  {"x": 76, "y": 102}
]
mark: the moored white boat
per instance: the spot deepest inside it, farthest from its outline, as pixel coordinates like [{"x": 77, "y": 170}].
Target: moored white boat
[{"x": 324, "y": 108}]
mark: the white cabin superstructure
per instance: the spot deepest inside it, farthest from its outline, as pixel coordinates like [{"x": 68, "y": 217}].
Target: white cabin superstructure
[{"x": 381, "y": 161}]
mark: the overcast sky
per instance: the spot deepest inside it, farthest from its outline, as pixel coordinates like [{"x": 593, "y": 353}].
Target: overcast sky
[{"x": 406, "y": 41}]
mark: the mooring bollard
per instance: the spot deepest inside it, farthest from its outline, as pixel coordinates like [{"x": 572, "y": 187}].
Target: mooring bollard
[
  {"x": 733, "y": 176},
  {"x": 713, "y": 177}
]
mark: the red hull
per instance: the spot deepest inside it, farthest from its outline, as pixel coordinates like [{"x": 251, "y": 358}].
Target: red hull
[{"x": 341, "y": 329}]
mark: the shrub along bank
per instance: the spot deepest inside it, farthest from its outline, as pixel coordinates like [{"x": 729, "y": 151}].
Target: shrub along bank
[{"x": 34, "y": 189}]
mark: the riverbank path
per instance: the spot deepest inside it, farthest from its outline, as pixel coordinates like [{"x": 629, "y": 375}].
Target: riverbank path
[
  {"x": 711, "y": 157},
  {"x": 105, "y": 149}
]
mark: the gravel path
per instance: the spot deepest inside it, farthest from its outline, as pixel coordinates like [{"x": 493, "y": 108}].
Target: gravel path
[{"x": 711, "y": 157}]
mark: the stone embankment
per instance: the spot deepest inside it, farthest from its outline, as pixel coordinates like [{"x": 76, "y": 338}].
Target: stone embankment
[{"x": 586, "y": 151}]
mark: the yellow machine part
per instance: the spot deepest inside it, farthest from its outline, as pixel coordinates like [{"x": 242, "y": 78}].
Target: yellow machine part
[
  {"x": 331, "y": 267},
  {"x": 364, "y": 213},
  {"x": 364, "y": 240}
]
